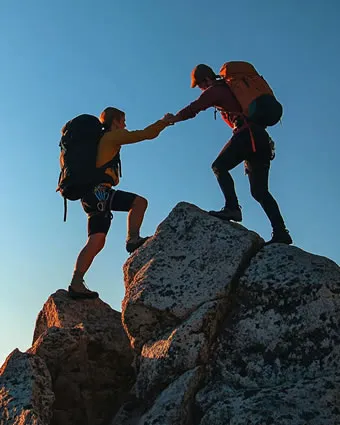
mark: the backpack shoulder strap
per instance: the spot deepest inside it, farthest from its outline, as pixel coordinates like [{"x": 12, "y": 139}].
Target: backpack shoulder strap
[{"x": 114, "y": 163}]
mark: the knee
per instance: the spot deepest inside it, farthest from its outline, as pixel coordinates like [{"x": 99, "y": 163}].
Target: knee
[
  {"x": 216, "y": 167},
  {"x": 140, "y": 203},
  {"x": 96, "y": 242}
]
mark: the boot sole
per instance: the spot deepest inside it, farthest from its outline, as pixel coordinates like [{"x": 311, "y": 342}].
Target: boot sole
[
  {"x": 131, "y": 248},
  {"x": 288, "y": 242},
  {"x": 82, "y": 296},
  {"x": 221, "y": 217}
]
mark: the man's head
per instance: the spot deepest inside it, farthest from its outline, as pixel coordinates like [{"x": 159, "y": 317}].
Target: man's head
[
  {"x": 112, "y": 118},
  {"x": 203, "y": 76}
]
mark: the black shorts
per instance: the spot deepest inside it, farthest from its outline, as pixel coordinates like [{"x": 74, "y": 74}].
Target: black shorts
[{"x": 98, "y": 205}]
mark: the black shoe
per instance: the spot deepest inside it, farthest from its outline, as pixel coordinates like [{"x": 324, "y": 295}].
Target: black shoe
[
  {"x": 133, "y": 244},
  {"x": 228, "y": 214},
  {"x": 81, "y": 292},
  {"x": 281, "y": 236}
]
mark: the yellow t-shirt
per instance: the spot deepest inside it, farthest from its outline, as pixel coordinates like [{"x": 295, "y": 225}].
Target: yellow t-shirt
[{"x": 111, "y": 142}]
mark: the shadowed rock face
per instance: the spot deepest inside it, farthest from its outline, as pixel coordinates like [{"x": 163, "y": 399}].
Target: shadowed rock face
[
  {"x": 87, "y": 357},
  {"x": 224, "y": 331},
  {"x": 26, "y": 395}
]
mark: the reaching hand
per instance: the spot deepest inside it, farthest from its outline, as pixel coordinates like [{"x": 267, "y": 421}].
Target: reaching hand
[{"x": 169, "y": 118}]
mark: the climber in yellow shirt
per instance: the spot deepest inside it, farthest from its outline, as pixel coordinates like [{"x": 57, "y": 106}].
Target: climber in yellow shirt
[{"x": 99, "y": 202}]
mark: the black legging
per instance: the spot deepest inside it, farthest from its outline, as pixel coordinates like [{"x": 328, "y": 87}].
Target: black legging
[{"x": 238, "y": 149}]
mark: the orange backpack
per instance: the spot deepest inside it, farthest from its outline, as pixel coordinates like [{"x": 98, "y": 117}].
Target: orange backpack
[{"x": 253, "y": 93}]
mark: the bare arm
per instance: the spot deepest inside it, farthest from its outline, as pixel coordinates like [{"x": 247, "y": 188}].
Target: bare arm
[{"x": 125, "y": 137}]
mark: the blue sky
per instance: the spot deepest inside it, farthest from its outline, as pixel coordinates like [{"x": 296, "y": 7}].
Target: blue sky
[{"x": 79, "y": 56}]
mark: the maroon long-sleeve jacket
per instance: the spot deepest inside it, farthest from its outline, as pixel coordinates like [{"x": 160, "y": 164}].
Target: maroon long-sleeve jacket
[{"x": 218, "y": 95}]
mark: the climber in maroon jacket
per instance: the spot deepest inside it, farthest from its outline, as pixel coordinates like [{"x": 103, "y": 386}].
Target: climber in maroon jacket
[{"x": 216, "y": 93}]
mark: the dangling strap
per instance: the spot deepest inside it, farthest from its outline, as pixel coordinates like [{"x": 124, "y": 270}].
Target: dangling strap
[
  {"x": 120, "y": 167},
  {"x": 246, "y": 125},
  {"x": 243, "y": 126},
  {"x": 252, "y": 139},
  {"x": 112, "y": 195},
  {"x": 65, "y": 209}
]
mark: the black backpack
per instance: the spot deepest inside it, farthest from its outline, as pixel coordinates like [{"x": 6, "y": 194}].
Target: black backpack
[{"x": 78, "y": 144}]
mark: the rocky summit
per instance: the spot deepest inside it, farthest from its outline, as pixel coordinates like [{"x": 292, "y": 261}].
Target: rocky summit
[{"x": 215, "y": 329}]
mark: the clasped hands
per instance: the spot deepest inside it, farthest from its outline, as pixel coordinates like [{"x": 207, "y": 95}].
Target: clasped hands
[{"x": 169, "y": 119}]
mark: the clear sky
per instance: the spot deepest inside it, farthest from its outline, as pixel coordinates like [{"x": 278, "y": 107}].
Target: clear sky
[{"x": 63, "y": 58}]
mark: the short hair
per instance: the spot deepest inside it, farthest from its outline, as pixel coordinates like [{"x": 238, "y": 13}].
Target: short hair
[
  {"x": 109, "y": 114},
  {"x": 200, "y": 73}
]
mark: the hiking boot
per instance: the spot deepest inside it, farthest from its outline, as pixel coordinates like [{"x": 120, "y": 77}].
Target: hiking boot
[
  {"x": 79, "y": 291},
  {"x": 281, "y": 236},
  {"x": 228, "y": 214},
  {"x": 133, "y": 244}
]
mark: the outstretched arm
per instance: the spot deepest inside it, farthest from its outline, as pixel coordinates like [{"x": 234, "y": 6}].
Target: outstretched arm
[
  {"x": 207, "y": 99},
  {"x": 125, "y": 137}
]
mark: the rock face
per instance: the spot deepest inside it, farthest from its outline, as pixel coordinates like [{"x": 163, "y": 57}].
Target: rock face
[
  {"x": 26, "y": 395},
  {"x": 192, "y": 260},
  {"x": 82, "y": 348},
  {"x": 276, "y": 359},
  {"x": 224, "y": 330},
  {"x": 260, "y": 324}
]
